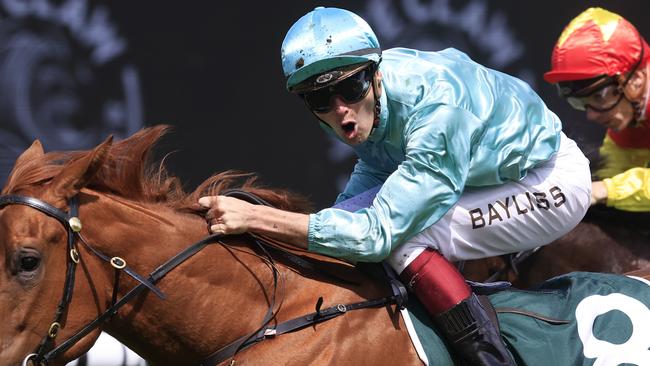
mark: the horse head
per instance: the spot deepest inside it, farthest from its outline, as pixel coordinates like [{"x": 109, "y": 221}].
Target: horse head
[
  {"x": 60, "y": 268},
  {"x": 35, "y": 255}
]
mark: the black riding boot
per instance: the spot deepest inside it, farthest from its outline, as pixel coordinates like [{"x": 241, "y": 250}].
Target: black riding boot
[{"x": 472, "y": 329}]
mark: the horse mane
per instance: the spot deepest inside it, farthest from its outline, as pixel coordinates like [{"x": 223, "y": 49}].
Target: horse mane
[{"x": 130, "y": 172}]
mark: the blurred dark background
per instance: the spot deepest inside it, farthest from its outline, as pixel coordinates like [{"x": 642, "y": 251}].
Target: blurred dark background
[{"x": 74, "y": 71}]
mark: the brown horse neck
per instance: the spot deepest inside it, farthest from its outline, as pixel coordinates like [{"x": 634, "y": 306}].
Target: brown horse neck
[
  {"x": 144, "y": 235},
  {"x": 220, "y": 294}
]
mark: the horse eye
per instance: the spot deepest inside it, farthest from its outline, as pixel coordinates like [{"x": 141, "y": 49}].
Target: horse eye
[{"x": 29, "y": 263}]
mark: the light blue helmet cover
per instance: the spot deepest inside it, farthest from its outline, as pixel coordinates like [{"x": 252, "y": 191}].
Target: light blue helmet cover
[{"x": 325, "y": 39}]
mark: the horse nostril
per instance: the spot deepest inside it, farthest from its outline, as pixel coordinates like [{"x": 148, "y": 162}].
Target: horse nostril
[{"x": 20, "y": 327}]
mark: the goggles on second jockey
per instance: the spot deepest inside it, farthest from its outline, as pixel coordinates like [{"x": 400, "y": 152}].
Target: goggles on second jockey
[
  {"x": 601, "y": 98},
  {"x": 352, "y": 89}
]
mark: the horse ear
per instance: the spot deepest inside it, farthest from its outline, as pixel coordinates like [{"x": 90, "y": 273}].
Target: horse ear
[
  {"x": 78, "y": 174},
  {"x": 33, "y": 152}
]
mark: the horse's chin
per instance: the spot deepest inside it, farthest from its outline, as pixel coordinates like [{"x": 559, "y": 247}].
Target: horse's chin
[{"x": 10, "y": 357}]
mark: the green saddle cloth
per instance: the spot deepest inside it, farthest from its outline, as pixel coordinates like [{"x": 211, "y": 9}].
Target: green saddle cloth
[{"x": 602, "y": 319}]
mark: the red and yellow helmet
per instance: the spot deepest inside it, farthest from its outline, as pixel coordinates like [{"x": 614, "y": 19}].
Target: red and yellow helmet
[{"x": 597, "y": 42}]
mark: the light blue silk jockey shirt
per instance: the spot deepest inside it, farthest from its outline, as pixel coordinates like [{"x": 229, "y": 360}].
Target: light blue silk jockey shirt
[{"x": 446, "y": 122}]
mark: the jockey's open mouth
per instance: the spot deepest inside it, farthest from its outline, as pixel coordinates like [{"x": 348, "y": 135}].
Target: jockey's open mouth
[{"x": 349, "y": 128}]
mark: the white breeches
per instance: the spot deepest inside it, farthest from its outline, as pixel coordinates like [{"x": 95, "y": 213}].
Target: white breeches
[{"x": 515, "y": 216}]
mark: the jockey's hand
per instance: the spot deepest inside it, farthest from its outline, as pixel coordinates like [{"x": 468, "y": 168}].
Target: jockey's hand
[
  {"x": 226, "y": 215},
  {"x": 598, "y": 192}
]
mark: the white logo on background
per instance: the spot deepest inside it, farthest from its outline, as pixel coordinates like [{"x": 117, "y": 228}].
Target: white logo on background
[{"x": 65, "y": 77}]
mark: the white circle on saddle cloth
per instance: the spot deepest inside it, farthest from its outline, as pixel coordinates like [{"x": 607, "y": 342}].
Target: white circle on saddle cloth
[{"x": 634, "y": 350}]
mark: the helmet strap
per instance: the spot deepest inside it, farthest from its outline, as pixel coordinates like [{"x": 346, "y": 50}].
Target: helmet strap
[
  {"x": 638, "y": 112},
  {"x": 377, "y": 116},
  {"x": 641, "y": 106},
  {"x": 377, "y": 112}
]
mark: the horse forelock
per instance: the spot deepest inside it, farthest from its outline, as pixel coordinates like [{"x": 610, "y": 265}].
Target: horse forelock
[{"x": 129, "y": 172}]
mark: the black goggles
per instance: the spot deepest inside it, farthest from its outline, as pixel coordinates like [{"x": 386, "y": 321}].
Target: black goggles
[{"x": 352, "y": 89}]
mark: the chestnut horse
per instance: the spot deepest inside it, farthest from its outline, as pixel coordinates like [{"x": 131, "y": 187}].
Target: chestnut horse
[{"x": 103, "y": 226}]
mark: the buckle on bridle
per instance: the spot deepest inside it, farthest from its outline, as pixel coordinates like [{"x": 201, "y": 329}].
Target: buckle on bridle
[
  {"x": 74, "y": 255},
  {"x": 118, "y": 263},
  {"x": 54, "y": 330}
]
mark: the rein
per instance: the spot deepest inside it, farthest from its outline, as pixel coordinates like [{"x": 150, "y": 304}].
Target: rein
[{"x": 45, "y": 351}]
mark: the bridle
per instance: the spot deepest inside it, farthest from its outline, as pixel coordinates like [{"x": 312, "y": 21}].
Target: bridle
[{"x": 45, "y": 351}]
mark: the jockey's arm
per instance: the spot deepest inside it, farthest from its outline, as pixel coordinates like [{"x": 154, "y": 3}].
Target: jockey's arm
[
  {"x": 626, "y": 184},
  {"x": 628, "y": 191},
  {"x": 228, "y": 215}
]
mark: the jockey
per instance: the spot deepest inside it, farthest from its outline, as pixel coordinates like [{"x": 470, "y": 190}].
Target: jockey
[
  {"x": 600, "y": 66},
  {"x": 470, "y": 161}
]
